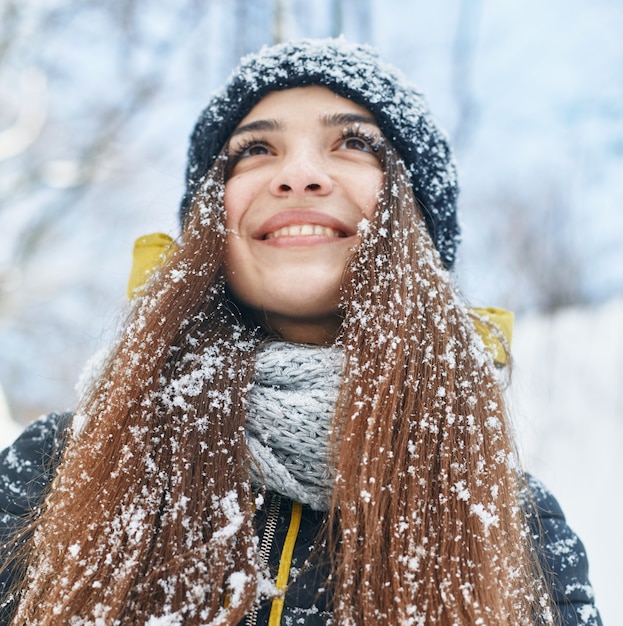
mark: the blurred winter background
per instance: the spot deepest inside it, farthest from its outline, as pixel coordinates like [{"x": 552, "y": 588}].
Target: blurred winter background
[{"x": 96, "y": 103}]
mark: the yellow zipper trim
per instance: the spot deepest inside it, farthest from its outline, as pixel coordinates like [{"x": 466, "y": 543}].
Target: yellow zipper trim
[
  {"x": 150, "y": 251},
  {"x": 495, "y": 328},
  {"x": 285, "y": 563}
]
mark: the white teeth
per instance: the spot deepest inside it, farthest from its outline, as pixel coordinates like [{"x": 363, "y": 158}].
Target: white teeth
[{"x": 301, "y": 230}]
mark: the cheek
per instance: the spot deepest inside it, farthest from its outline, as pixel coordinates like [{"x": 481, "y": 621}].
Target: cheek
[
  {"x": 237, "y": 265},
  {"x": 368, "y": 192},
  {"x": 237, "y": 255},
  {"x": 236, "y": 199},
  {"x": 230, "y": 208}
]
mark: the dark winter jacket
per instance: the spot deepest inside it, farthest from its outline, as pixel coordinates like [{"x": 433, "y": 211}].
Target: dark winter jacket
[{"x": 287, "y": 532}]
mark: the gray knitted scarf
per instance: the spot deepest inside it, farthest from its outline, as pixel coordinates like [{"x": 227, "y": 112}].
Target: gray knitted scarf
[{"x": 289, "y": 417}]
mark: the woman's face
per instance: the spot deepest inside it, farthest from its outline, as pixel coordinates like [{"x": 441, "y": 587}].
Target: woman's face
[{"x": 305, "y": 173}]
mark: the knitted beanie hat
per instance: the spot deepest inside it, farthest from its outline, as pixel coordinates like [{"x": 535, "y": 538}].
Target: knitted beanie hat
[{"x": 353, "y": 71}]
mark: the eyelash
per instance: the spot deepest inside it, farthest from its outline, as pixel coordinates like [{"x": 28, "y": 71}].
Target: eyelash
[
  {"x": 236, "y": 153},
  {"x": 374, "y": 141}
]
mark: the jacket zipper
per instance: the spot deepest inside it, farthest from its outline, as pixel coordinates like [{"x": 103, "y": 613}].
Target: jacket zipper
[{"x": 272, "y": 518}]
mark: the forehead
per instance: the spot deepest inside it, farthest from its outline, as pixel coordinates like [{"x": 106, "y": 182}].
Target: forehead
[{"x": 309, "y": 103}]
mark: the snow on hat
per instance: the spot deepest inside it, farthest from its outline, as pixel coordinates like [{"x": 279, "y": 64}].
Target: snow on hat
[{"x": 353, "y": 71}]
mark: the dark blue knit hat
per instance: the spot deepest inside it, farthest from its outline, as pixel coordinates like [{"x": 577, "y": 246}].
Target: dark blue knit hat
[{"x": 353, "y": 71}]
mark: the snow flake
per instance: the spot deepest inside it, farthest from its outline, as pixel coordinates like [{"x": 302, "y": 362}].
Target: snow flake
[{"x": 487, "y": 517}]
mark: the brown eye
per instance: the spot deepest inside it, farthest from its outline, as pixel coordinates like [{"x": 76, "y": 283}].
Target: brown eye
[
  {"x": 256, "y": 149},
  {"x": 356, "y": 143},
  {"x": 359, "y": 139},
  {"x": 243, "y": 151}
]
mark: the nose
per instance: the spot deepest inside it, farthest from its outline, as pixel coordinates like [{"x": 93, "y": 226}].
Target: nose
[{"x": 303, "y": 174}]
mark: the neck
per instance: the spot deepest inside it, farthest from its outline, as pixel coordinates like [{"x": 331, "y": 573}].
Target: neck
[{"x": 317, "y": 331}]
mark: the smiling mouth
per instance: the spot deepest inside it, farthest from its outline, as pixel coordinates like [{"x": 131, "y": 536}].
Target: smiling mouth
[{"x": 305, "y": 230}]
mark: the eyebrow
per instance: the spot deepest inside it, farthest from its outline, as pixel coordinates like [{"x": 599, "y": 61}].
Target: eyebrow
[
  {"x": 330, "y": 121},
  {"x": 259, "y": 125},
  {"x": 340, "y": 119}
]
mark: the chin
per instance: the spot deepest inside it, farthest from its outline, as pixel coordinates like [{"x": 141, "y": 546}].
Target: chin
[{"x": 307, "y": 293}]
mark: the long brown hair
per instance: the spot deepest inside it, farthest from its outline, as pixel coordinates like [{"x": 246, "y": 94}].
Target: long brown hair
[
  {"x": 151, "y": 512},
  {"x": 426, "y": 466}
]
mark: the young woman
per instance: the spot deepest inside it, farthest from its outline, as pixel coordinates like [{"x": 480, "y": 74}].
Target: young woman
[{"x": 300, "y": 423}]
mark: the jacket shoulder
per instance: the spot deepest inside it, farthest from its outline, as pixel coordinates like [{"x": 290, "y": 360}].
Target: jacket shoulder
[
  {"x": 27, "y": 468},
  {"x": 28, "y": 465},
  {"x": 562, "y": 556}
]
